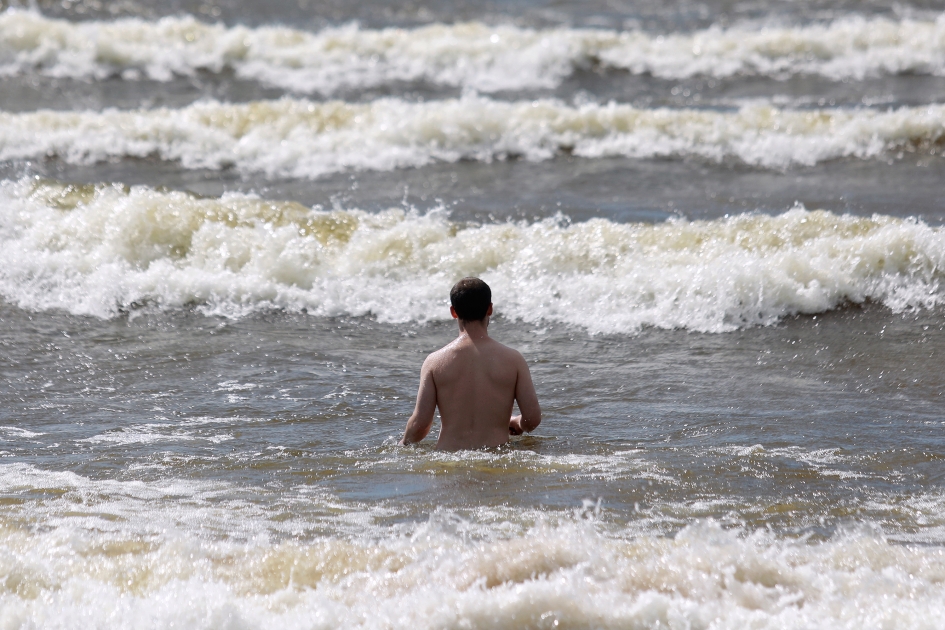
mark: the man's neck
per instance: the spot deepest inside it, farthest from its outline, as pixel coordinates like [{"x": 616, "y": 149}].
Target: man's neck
[{"x": 475, "y": 330}]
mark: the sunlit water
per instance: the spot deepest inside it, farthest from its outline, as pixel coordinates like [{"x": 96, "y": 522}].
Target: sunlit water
[{"x": 227, "y": 235}]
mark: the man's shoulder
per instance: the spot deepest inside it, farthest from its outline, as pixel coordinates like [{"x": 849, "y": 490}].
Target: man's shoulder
[
  {"x": 441, "y": 356},
  {"x": 456, "y": 350},
  {"x": 507, "y": 354},
  {"x": 501, "y": 347}
]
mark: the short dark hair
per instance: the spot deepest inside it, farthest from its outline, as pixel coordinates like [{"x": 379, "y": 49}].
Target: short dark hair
[{"x": 471, "y": 298}]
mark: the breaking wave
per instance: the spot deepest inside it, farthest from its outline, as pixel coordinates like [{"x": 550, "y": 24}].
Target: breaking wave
[
  {"x": 109, "y": 555},
  {"x": 306, "y": 139},
  {"x": 474, "y": 55},
  {"x": 103, "y": 249}
]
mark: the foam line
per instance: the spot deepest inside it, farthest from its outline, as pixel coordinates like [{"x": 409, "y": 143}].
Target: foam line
[
  {"x": 300, "y": 138},
  {"x": 135, "y": 561},
  {"x": 475, "y": 55},
  {"x": 101, "y": 249}
]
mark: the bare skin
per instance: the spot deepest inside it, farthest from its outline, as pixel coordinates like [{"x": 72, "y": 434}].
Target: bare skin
[{"x": 473, "y": 381}]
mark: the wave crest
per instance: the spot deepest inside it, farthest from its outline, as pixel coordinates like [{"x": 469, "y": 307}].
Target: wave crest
[
  {"x": 165, "y": 566},
  {"x": 474, "y": 55},
  {"x": 102, "y": 249},
  {"x": 300, "y": 138}
]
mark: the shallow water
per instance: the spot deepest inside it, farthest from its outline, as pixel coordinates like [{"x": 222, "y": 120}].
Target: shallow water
[
  {"x": 766, "y": 427},
  {"x": 209, "y": 471}
]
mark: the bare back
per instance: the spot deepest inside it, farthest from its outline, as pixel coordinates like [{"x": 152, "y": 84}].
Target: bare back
[
  {"x": 475, "y": 389},
  {"x": 474, "y": 381}
]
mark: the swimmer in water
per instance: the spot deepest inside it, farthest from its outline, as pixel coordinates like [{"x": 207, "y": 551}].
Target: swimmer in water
[{"x": 473, "y": 381}]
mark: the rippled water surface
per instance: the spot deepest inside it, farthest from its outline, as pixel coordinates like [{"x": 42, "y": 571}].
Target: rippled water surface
[{"x": 804, "y": 427}]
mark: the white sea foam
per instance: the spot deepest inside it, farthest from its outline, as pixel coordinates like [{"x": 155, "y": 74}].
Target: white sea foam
[
  {"x": 98, "y": 250},
  {"x": 153, "y": 434},
  {"x": 475, "y": 55},
  {"x": 17, "y": 432},
  {"x": 150, "y": 567},
  {"x": 305, "y": 139},
  {"x": 101, "y": 249}
]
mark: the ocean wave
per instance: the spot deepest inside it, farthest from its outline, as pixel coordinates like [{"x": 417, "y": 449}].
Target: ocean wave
[
  {"x": 300, "y": 138},
  {"x": 474, "y": 55},
  {"x": 111, "y": 554},
  {"x": 100, "y": 250}
]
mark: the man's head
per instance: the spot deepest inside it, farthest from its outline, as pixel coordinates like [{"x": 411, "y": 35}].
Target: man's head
[{"x": 471, "y": 299}]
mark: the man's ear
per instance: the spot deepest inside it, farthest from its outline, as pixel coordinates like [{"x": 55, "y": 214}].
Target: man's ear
[
  {"x": 453, "y": 313},
  {"x": 489, "y": 312}
]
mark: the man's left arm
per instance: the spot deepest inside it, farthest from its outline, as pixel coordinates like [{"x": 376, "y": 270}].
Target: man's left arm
[
  {"x": 527, "y": 401},
  {"x": 418, "y": 426}
]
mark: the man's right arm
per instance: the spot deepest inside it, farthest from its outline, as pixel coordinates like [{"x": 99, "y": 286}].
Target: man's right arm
[
  {"x": 527, "y": 401},
  {"x": 418, "y": 426}
]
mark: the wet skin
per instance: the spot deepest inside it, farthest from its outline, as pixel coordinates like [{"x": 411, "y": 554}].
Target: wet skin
[{"x": 474, "y": 381}]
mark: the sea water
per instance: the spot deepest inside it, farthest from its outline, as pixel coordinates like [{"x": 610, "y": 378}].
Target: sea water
[{"x": 715, "y": 231}]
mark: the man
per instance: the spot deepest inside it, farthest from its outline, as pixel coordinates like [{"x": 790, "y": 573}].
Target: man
[{"x": 473, "y": 381}]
